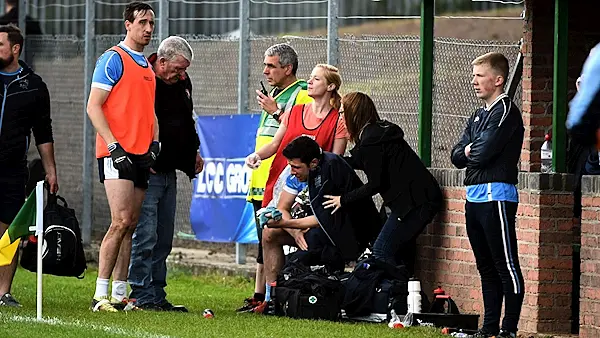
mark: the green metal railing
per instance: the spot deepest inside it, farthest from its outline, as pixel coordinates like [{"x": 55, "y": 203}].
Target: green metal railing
[
  {"x": 559, "y": 90},
  {"x": 426, "y": 81}
]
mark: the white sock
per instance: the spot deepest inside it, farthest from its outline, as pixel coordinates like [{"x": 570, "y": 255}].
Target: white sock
[
  {"x": 268, "y": 293},
  {"x": 119, "y": 290},
  {"x": 101, "y": 288}
]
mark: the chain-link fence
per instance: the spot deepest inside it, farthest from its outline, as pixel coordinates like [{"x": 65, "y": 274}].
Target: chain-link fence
[
  {"x": 454, "y": 99},
  {"x": 385, "y": 67}
]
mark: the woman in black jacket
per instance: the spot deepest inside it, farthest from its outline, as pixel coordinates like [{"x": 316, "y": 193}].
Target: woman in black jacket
[{"x": 394, "y": 171}]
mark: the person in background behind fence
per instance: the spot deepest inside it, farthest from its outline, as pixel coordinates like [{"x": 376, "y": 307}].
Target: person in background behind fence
[
  {"x": 26, "y": 108},
  {"x": 11, "y": 15},
  {"x": 490, "y": 148},
  {"x": 121, "y": 108},
  {"x": 394, "y": 171},
  {"x": 281, "y": 65},
  {"x": 153, "y": 236}
]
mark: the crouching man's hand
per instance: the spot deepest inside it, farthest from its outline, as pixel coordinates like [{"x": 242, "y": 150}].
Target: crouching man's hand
[{"x": 298, "y": 235}]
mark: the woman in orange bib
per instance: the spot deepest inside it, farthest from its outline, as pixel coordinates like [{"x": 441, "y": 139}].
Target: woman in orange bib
[{"x": 320, "y": 120}]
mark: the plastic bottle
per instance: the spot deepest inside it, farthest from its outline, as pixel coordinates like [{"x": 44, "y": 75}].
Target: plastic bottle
[
  {"x": 414, "y": 296},
  {"x": 273, "y": 285},
  {"x": 271, "y": 307},
  {"x": 439, "y": 300},
  {"x": 546, "y": 154}
]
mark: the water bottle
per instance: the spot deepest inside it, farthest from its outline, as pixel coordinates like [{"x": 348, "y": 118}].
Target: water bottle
[
  {"x": 414, "y": 296},
  {"x": 271, "y": 307},
  {"x": 547, "y": 155}
]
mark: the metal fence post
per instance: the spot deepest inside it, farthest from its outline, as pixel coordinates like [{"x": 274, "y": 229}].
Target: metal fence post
[
  {"x": 243, "y": 75},
  {"x": 244, "y": 57},
  {"x": 332, "y": 33},
  {"x": 559, "y": 90},
  {"x": 22, "y": 24},
  {"x": 426, "y": 82},
  {"x": 163, "y": 20},
  {"x": 88, "y": 129}
]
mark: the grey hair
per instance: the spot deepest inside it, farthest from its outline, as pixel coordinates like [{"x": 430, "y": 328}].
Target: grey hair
[
  {"x": 287, "y": 55},
  {"x": 174, "y": 45}
]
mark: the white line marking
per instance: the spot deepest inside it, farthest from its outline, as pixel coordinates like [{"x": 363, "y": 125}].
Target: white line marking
[{"x": 83, "y": 325}]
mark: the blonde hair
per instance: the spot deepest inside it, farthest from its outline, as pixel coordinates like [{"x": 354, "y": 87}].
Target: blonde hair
[
  {"x": 332, "y": 76},
  {"x": 497, "y": 61}
]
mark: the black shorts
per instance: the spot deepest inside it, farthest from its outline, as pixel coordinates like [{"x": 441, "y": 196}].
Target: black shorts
[
  {"x": 12, "y": 194},
  {"x": 139, "y": 176}
]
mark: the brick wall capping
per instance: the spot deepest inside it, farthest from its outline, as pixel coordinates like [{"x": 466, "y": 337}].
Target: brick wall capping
[
  {"x": 527, "y": 180},
  {"x": 590, "y": 185}
]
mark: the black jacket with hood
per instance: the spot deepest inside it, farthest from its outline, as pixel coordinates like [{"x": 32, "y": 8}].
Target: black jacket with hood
[
  {"x": 393, "y": 170},
  {"x": 26, "y": 108},
  {"x": 354, "y": 227}
]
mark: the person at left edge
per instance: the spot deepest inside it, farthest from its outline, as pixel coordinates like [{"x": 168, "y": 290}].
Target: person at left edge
[{"x": 26, "y": 108}]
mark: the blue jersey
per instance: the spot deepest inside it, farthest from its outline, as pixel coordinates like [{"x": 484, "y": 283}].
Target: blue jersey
[
  {"x": 7, "y": 78},
  {"x": 495, "y": 191},
  {"x": 584, "y": 100},
  {"x": 293, "y": 185},
  {"x": 109, "y": 67}
]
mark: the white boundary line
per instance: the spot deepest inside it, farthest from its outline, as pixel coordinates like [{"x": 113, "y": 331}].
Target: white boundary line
[{"x": 81, "y": 324}]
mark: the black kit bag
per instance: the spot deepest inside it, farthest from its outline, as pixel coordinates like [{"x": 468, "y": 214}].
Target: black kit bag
[
  {"x": 307, "y": 292},
  {"x": 62, "y": 250},
  {"x": 375, "y": 287}
]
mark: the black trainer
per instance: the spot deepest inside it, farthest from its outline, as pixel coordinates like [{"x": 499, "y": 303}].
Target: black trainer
[
  {"x": 166, "y": 306},
  {"x": 482, "y": 333},
  {"x": 249, "y": 305},
  {"x": 506, "y": 334},
  {"x": 9, "y": 300},
  {"x": 149, "y": 307}
]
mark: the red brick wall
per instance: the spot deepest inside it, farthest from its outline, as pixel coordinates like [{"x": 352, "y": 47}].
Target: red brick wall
[
  {"x": 590, "y": 259},
  {"x": 545, "y": 237},
  {"x": 538, "y": 41}
]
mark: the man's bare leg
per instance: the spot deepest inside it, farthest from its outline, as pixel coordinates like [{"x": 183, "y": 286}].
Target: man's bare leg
[
  {"x": 119, "y": 193},
  {"x": 121, "y": 269},
  {"x": 7, "y": 273},
  {"x": 273, "y": 242},
  {"x": 259, "y": 283},
  {"x": 122, "y": 265}
]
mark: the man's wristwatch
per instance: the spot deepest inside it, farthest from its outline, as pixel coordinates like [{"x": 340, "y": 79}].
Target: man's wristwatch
[{"x": 276, "y": 115}]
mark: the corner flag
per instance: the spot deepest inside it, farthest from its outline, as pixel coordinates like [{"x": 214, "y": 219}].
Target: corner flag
[{"x": 21, "y": 226}]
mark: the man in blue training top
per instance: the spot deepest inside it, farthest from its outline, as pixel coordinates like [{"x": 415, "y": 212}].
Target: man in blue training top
[
  {"x": 121, "y": 109},
  {"x": 583, "y": 120},
  {"x": 490, "y": 148}
]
